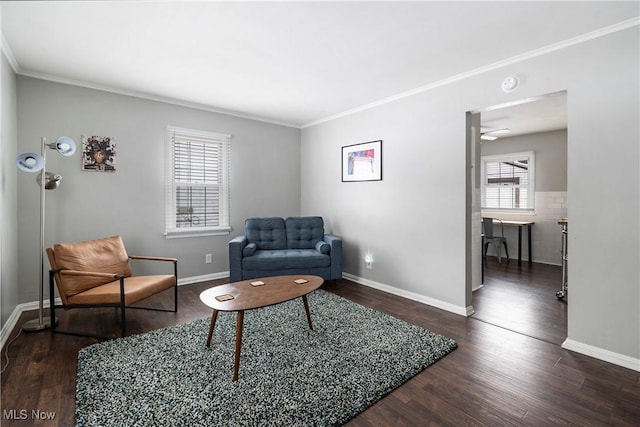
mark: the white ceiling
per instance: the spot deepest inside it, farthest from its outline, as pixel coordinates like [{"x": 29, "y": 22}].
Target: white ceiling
[
  {"x": 542, "y": 114},
  {"x": 294, "y": 63}
]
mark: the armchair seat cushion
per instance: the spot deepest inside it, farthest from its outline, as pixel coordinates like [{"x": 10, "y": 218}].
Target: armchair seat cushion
[
  {"x": 286, "y": 258},
  {"x": 136, "y": 288}
]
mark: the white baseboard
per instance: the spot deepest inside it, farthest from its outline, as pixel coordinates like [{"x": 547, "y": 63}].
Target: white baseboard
[
  {"x": 568, "y": 344},
  {"x": 578, "y": 347},
  {"x": 462, "y": 311},
  {"x": 9, "y": 325},
  {"x": 203, "y": 278},
  {"x": 602, "y": 354},
  {"x": 12, "y": 321}
]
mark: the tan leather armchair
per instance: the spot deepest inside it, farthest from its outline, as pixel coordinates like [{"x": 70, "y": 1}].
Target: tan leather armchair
[{"x": 97, "y": 273}]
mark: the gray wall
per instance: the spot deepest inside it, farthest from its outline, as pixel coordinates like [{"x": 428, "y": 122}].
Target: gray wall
[
  {"x": 414, "y": 220},
  {"x": 8, "y": 213},
  {"x": 265, "y": 175}
]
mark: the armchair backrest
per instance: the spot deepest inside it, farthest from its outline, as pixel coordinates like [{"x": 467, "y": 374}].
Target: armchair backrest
[
  {"x": 106, "y": 255},
  {"x": 266, "y": 233},
  {"x": 304, "y": 232}
]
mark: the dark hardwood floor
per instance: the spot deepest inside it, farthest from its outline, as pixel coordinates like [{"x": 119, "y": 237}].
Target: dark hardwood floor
[
  {"x": 495, "y": 377},
  {"x": 523, "y": 299}
]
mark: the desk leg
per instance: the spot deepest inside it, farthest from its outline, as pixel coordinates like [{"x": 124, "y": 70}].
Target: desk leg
[
  {"x": 214, "y": 316},
  {"x": 306, "y": 309},
  {"x": 482, "y": 257},
  {"x": 529, "y": 242},
  {"x": 236, "y": 363},
  {"x": 519, "y": 245}
]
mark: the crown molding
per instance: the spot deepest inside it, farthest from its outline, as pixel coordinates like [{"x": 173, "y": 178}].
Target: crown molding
[
  {"x": 151, "y": 97},
  {"x": 621, "y": 26},
  {"x": 105, "y": 88},
  {"x": 8, "y": 53}
]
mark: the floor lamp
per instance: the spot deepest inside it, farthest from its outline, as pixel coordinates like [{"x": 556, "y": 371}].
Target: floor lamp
[{"x": 31, "y": 162}]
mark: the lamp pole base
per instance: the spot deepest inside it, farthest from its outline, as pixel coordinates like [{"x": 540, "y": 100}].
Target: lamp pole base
[{"x": 35, "y": 325}]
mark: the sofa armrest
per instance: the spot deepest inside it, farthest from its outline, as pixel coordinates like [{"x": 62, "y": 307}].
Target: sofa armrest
[
  {"x": 336, "y": 255},
  {"x": 236, "y": 245}
]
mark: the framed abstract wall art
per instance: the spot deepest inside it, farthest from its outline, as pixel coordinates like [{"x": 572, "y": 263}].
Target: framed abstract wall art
[
  {"x": 362, "y": 162},
  {"x": 98, "y": 153}
]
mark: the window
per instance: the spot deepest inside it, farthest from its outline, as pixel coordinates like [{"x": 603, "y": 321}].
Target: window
[
  {"x": 197, "y": 201},
  {"x": 508, "y": 182}
]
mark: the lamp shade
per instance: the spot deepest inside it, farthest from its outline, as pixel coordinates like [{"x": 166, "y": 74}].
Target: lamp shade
[
  {"x": 30, "y": 162},
  {"x": 51, "y": 180},
  {"x": 65, "y": 146}
]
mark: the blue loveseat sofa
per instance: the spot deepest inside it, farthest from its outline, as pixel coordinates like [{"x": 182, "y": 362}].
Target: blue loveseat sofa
[{"x": 275, "y": 246}]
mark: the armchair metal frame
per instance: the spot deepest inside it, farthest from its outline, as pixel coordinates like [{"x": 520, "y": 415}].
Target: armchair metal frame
[{"x": 122, "y": 300}]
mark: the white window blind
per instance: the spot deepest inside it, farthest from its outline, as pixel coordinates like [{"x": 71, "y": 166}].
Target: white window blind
[
  {"x": 198, "y": 182},
  {"x": 508, "y": 182}
]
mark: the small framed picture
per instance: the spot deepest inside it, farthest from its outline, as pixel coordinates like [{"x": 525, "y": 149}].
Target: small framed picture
[
  {"x": 98, "y": 153},
  {"x": 362, "y": 162}
]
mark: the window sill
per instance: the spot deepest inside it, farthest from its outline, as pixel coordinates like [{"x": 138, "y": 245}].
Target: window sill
[
  {"x": 173, "y": 234},
  {"x": 497, "y": 212}
]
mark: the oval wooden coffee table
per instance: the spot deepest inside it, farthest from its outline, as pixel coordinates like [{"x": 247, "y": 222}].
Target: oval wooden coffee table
[{"x": 256, "y": 293}]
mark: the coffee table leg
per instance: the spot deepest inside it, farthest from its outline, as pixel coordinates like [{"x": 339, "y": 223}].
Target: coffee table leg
[
  {"x": 236, "y": 363},
  {"x": 306, "y": 308},
  {"x": 214, "y": 316}
]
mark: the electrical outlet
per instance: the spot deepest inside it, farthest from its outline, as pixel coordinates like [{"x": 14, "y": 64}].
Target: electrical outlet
[
  {"x": 368, "y": 260},
  {"x": 207, "y": 258}
]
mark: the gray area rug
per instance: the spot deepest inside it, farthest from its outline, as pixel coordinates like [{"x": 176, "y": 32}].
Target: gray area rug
[{"x": 289, "y": 375}]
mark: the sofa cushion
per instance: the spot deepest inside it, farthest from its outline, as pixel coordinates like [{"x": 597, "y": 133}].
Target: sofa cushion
[
  {"x": 323, "y": 248},
  {"x": 283, "y": 259},
  {"x": 304, "y": 232},
  {"x": 249, "y": 250},
  {"x": 266, "y": 233}
]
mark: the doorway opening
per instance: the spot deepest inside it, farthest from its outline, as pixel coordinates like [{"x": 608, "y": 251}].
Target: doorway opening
[{"x": 519, "y": 296}]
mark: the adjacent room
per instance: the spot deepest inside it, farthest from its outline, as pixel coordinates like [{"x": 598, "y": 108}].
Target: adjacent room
[
  {"x": 329, "y": 168},
  {"x": 523, "y": 164}
]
